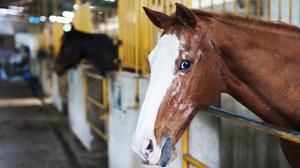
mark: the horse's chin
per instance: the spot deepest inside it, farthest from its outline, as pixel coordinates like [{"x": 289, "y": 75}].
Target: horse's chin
[{"x": 59, "y": 71}]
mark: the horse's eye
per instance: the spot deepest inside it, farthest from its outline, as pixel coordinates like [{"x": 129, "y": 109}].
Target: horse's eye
[{"x": 185, "y": 65}]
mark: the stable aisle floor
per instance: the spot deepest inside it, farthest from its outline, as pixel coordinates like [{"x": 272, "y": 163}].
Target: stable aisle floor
[{"x": 27, "y": 139}]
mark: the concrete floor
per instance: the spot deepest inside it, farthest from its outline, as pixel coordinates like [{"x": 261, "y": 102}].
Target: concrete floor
[{"x": 27, "y": 139}]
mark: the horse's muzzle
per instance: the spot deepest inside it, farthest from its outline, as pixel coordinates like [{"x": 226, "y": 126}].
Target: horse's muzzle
[
  {"x": 165, "y": 153},
  {"x": 58, "y": 69}
]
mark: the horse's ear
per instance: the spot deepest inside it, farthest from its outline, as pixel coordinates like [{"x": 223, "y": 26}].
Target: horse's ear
[
  {"x": 159, "y": 19},
  {"x": 185, "y": 15}
]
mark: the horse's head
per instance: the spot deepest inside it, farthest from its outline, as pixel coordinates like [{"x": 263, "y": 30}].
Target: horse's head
[
  {"x": 69, "y": 54},
  {"x": 184, "y": 79}
]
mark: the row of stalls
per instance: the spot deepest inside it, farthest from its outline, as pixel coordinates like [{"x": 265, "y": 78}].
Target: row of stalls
[{"x": 104, "y": 109}]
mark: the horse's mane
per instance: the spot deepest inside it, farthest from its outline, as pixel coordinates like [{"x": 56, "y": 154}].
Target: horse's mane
[
  {"x": 85, "y": 35},
  {"x": 250, "y": 22}
]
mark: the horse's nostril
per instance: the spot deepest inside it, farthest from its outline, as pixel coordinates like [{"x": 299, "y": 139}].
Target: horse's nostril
[{"x": 150, "y": 146}]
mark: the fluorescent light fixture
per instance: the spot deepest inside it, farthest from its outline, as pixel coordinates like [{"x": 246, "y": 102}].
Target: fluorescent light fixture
[
  {"x": 43, "y": 18},
  {"x": 75, "y": 6},
  {"x": 60, "y": 19},
  {"x": 16, "y": 8},
  {"x": 5, "y": 11},
  {"x": 68, "y": 14},
  {"x": 110, "y": 0},
  {"x": 67, "y": 27},
  {"x": 92, "y": 7},
  {"x": 205, "y": 4},
  {"x": 52, "y": 18}
]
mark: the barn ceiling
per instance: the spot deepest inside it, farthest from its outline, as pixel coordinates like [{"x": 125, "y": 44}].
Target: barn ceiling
[{"x": 37, "y": 7}]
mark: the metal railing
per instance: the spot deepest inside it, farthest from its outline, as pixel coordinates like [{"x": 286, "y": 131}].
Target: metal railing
[
  {"x": 100, "y": 103},
  {"x": 289, "y": 135}
]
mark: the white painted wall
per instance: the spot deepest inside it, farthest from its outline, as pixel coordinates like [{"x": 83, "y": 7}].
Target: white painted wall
[
  {"x": 57, "y": 99},
  {"x": 204, "y": 129},
  {"x": 204, "y": 140},
  {"x": 27, "y": 39},
  {"x": 76, "y": 107},
  {"x": 6, "y": 27},
  {"x": 45, "y": 72}
]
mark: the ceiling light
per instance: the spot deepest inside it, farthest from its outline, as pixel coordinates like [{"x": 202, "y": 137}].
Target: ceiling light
[{"x": 68, "y": 14}]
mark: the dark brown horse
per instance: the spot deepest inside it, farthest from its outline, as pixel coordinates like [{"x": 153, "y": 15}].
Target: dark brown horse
[
  {"x": 98, "y": 49},
  {"x": 201, "y": 54}
]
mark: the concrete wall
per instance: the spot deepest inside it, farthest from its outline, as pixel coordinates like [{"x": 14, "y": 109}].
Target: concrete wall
[
  {"x": 27, "y": 39},
  {"x": 204, "y": 141},
  {"x": 76, "y": 107},
  {"x": 57, "y": 99},
  {"x": 246, "y": 147},
  {"x": 45, "y": 75}
]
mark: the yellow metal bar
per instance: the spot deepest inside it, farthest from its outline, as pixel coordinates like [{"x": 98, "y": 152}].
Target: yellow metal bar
[
  {"x": 186, "y": 159},
  {"x": 78, "y": 2},
  {"x": 185, "y": 148},
  {"x": 258, "y": 8},
  {"x": 290, "y": 11},
  {"x": 104, "y": 117},
  {"x": 194, "y": 162},
  {"x": 104, "y": 92},
  {"x": 98, "y": 131},
  {"x": 102, "y": 105},
  {"x": 269, "y": 9},
  {"x": 155, "y": 4},
  {"x": 146, "y": 36},
  {"x": 190, "y": 3},
  {"x": 136, "y": 34},
  {"x": 279, "y": 9},
  {"x": 95, "y": 102},
  {"x": 247, "y": 7},
  {"x": 168, "y": 10},
  {"x": 235, "y": 6}
]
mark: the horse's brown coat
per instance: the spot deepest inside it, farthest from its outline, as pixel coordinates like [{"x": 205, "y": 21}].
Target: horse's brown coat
[{"x": 254, "y": 61}]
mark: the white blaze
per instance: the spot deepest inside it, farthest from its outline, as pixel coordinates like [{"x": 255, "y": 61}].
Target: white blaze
[{"x": 162, "y": 62}]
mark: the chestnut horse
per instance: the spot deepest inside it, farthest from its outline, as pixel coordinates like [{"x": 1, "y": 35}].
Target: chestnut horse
[
  {"x": 98, "y": 49},
  {"x": 201, "y": 54}
]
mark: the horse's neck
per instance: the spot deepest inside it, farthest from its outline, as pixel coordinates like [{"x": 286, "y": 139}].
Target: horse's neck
[{"x": 262, "y": 71}]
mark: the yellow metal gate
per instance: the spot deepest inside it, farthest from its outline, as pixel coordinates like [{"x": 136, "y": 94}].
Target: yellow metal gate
[{"x": 96, "y": 98}]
